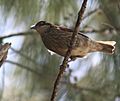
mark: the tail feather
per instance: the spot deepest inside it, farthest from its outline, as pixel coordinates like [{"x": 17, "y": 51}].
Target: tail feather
[{"x": 107, "y": 46}]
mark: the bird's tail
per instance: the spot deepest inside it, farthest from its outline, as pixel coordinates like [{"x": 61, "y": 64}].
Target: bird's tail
[{"x": 105, "y": 46}]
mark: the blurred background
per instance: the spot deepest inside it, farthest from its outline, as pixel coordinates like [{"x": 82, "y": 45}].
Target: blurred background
[{"x": 30, "y": 70}]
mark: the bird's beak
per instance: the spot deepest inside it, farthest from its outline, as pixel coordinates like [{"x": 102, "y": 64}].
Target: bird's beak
[{"x": 32, "y": 27}]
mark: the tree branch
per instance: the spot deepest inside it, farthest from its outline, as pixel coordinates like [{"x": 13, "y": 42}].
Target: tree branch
[
  {"x": 68, "y": 53},
  {"x": 90, "y": 13},
  {"x": 25, "y": 56},
  {"x": 96, "y": 91},
  {"x": 101, "y": 31},
  {"x": 18, "y": 34},
  {"x": 23, "y": 67}
]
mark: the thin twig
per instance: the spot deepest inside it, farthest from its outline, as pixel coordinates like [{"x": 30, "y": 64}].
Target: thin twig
[
  {"x": 23, "y": 67},
  {"x": 68, "y": 53},
  {"x": 91, "y": 30},
  {"x": 25, "y": 56},
  {"x": 104, "y": 30},
  {"x": 90, "y": 13},
  {"x": 18, "y": 34},
  {"x": 96, "y": 91}
]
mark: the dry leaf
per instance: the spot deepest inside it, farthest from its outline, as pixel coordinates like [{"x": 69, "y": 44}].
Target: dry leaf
[{"x": 3, "y": 52}]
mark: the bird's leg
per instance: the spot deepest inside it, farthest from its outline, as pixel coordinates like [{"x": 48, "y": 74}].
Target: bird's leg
[
  {"x": 67, "y": 66},
  {"x": 72, "y": 58}
]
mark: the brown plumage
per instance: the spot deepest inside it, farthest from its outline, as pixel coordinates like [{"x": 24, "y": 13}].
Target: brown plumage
[
  {"x": 57, "y": 39},
  {"x": 3, "y": 52}
]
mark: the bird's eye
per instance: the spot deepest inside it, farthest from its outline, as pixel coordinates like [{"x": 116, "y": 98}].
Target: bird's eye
[{"x": 42, "y": 22}]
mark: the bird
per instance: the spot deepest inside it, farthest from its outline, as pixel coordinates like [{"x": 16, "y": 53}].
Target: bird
[
  {"x": 3, "y": 52},
  {"x": 57, "y": 39}
]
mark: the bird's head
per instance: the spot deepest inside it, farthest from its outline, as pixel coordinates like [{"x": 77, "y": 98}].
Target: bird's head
[{"x": 41, "y": 26}]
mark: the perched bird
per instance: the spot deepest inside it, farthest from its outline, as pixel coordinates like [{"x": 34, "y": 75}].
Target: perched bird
[{"x": 57, "y": 39}]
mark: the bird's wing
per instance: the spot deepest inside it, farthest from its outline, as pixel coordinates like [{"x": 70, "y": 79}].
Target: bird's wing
[{"x": 70, "y": 30}]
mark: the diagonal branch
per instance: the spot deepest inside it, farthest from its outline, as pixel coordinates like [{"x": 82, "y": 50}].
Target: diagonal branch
[
  {"x": 75, "y": 86},
  {"x": 68, "y": 53},
  {"x": 90, "y": 13},
  {"x": 24, "y": 67},
  {"x": 17, "y": 34},
  {"x": 25, "y": 56}
]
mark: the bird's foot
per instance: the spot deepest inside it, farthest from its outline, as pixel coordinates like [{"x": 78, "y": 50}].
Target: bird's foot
[
  {"x": 72, "y": 59},
  {"x": 61, "y": 66}
]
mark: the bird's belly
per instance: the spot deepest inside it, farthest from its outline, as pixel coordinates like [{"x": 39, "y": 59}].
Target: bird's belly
[
  {"x": 79, "y": 52},
  {"x": 61, "y": 48},
  {"x": 60, "y": 51}
]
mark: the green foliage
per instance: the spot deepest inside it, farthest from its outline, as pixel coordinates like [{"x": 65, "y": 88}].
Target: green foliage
[
  {"x": 25, "y": 10},
  {"x": 100, "y": 83},
  {"x": 56, "y": 10}
]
